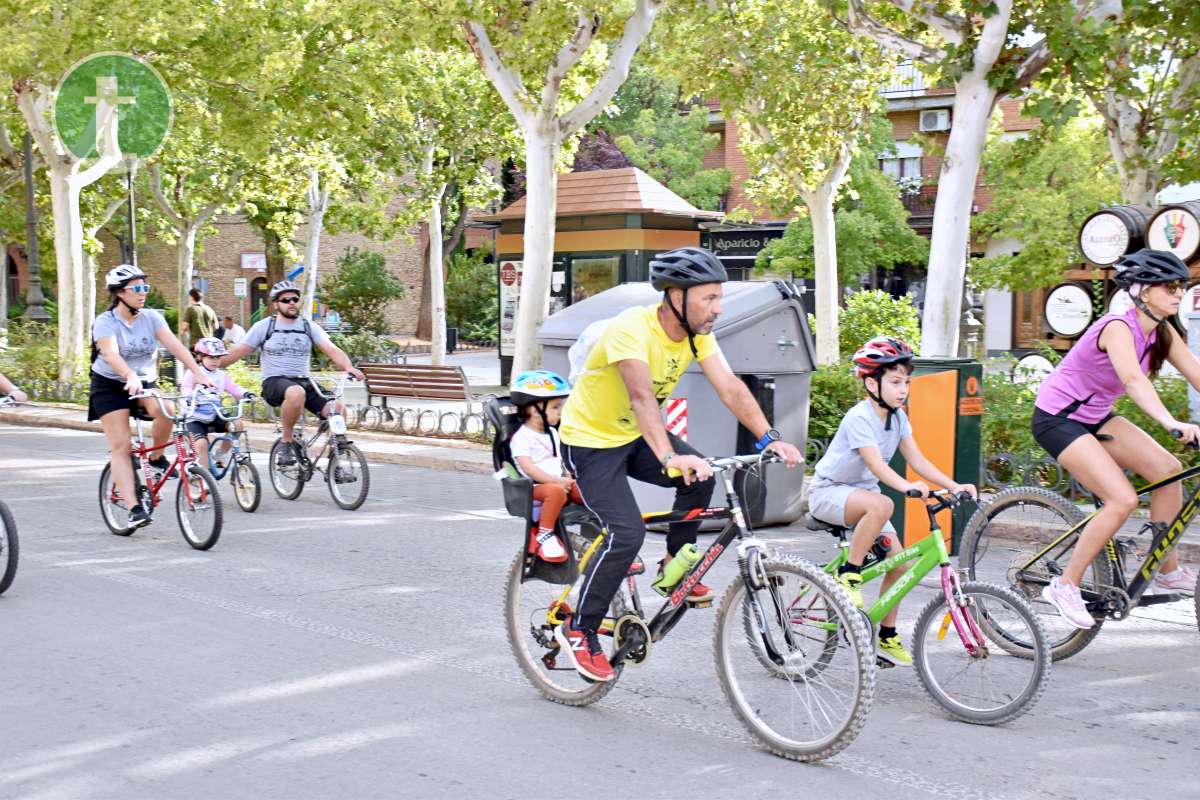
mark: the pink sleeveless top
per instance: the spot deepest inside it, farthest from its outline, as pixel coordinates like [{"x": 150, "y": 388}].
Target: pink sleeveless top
[{"x": 1085, "y": 384}]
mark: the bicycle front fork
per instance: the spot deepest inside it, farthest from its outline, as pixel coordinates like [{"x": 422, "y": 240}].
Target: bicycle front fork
[{"x": 964, "y": 622}]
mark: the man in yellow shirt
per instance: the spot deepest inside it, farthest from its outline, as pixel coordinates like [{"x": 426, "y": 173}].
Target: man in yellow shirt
[{"x": 612, "y": 430}]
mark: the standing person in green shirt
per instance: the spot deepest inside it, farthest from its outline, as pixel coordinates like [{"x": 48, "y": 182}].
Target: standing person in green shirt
[{"x": 199, "y": 320}]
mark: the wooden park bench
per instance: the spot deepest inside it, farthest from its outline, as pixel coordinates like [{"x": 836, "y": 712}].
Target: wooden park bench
[{"x": 416, "y": 381}]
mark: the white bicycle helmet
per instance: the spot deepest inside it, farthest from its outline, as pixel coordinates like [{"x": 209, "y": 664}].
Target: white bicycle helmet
[
  {"x": 282, "y": 288},
  {"x": 118, "y": 277}
]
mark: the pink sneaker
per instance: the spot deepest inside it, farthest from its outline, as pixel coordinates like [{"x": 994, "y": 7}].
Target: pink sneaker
[
  {"x": 1181, "y": 581},
  {"x": 1066, "y": 598}
]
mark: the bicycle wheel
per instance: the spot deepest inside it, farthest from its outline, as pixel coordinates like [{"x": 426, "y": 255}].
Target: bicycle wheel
[
  {"x": 198, "y": 508},
  {"x": 1010, "y": 529},
  {"x": 247, "y": 487},
  {"x": 531, "y": 636},
  {"x": 796, "y": 709},
  {"x": 991, "y": 685},
  {"x": 10, "y": 549},
  {"x": 287, "y": 481},
  {"x": 348, "y": 476},
  {"x": 112, "y": 508}
]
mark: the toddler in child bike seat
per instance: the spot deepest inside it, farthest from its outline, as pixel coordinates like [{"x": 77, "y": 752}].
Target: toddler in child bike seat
[
  {"x": 203, "y": 419},
  {"x": 537, "y": 451}
]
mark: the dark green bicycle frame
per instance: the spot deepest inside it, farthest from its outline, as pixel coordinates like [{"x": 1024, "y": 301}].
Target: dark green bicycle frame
[
  {"x": 1160, "y": 546},
  {"x": 929, "y": 553}
]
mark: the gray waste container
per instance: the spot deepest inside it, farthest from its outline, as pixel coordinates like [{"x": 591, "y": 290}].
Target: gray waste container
[{"x": 763, "y": 332}]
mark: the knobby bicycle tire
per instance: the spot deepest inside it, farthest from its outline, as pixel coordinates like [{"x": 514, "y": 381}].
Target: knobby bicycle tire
[
  {"x": 1039, "y": 659},
  {"x": 1064, "y": 640},
  {"x": 10, "y": 548}
]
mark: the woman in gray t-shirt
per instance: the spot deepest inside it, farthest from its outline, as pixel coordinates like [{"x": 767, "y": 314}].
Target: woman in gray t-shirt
[{"x": 125, "y": 340}]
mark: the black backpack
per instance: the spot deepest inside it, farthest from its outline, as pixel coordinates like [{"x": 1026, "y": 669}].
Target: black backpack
[{"x": 271, "y": 330}]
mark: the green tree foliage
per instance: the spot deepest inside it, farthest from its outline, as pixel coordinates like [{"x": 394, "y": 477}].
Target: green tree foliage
[
  {"x": 871, "y": 229},
  {"x": 667, "y": 140},
  {"x": 1139, "y": 68},
  {"x": 1043, "y": 187},
  {"x": 876, "y": 313},
  {"x": 471, "y": 302},
  {"x": 361, "y": 289}
]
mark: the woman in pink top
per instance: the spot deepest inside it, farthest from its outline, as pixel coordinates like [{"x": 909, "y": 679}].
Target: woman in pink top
[
  {"x": 1117, "y": 355},
  {"x": 203, "y": 419}
]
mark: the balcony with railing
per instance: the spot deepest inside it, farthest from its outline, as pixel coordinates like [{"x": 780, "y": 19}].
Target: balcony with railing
[
  {"x": 907, "y": 81},
  {"x": 920, "y": 205}
]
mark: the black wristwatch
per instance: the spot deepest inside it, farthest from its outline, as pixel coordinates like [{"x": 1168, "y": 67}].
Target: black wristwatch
[{"x": 771, "y": 435}]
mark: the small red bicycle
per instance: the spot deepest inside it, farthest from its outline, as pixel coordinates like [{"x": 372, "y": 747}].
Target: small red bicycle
[{"x": 197, "y": 501}]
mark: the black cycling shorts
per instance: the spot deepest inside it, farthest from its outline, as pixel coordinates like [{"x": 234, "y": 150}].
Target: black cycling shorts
[
  {"x": 273, "y": 390},
  {"x": 106, "y": 395},
  {"x": 1054, "y": 433},
  {"x": 198, "y": 428}
]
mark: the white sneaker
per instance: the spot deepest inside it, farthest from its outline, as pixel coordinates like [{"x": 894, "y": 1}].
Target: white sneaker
[
  {"x": 1066, "y": 598},
  {"x": 1180, "y": 581},
  {"x": 546, "y": 545}
]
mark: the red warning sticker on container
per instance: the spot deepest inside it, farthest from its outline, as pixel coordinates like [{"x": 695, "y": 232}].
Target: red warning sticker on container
[{"x": 970, "y": 407}]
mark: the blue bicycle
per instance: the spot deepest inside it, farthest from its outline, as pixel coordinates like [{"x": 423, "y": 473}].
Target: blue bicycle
[{"x": 229, "y": 454}]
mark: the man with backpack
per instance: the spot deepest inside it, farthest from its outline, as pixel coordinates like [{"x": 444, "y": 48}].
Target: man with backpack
[{"x": 286, "y": 340}]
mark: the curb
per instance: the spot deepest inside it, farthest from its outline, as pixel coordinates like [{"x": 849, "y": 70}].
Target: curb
[{"x": 417, "y": 459}]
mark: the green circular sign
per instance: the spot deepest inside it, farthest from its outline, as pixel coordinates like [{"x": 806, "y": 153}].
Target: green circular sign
[{"x": 106, "y": 81}]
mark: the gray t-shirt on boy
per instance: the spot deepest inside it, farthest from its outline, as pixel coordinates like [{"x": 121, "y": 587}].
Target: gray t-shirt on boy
[{"x": 861, "y": 427}]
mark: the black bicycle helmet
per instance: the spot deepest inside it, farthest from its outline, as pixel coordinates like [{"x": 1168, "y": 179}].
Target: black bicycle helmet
[
  {"x": 684, "y": 268},
  {"x": 1150, "y": 267}
]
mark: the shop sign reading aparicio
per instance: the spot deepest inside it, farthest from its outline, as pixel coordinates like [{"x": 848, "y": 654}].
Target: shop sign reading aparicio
[{"x": 747, "y": 243}]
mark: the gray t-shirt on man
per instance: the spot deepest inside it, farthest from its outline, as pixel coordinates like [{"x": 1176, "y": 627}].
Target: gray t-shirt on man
[
  {"x": 137, "y": 342},
  {"x": 861, "y": 427},
  {"x": 288, "y": 353}
]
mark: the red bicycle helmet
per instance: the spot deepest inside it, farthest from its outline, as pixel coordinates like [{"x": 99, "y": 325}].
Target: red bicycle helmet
[{"x": 880, "y": 352}]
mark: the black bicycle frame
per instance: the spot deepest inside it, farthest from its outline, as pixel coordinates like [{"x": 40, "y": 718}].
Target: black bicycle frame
[
  {"x": 672, "y": 610},
  {"x": 1164, "y": 539}
]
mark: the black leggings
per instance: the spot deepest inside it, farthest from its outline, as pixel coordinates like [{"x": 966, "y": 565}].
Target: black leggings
[{"x": 602, "y": 476}]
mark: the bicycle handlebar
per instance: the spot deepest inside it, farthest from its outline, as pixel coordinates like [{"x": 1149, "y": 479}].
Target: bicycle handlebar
[
  {"x": 248, "y": 397},
  {"x": 1178, "y": 434},
  {"x": 338, "y": 389},
  {"x": 184, "y": 401}
]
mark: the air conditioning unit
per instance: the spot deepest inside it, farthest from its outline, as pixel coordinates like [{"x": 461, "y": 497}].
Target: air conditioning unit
[{"x": 938, "y": 120}]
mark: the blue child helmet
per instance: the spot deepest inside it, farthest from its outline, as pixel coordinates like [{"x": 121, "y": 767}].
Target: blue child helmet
[{"x": 538, "y": 384}]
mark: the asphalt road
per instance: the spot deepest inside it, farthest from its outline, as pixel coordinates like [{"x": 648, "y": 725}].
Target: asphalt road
[{"x": 316, "y": 653}]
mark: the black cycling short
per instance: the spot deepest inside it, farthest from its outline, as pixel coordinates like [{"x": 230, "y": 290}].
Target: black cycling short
[
  {"x": 107, "y": 395},
  {"x": 1054, "y": 433},
  {"x": 273, "y": 390},
  {"x": 197, "y": 428}
]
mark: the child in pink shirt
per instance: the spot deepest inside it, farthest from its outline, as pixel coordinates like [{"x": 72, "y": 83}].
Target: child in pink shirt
[{"x": 203, "y": 419}]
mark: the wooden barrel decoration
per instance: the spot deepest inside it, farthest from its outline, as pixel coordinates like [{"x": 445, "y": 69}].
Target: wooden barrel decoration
[
  {"x": 1112, "y": 232},
  {"x": 1176, "y": 228}
]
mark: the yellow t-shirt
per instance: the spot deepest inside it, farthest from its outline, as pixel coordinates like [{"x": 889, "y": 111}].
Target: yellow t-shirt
[{"x": 598, "y": 412}]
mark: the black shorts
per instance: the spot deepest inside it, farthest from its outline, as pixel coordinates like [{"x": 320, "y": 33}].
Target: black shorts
[
  {"x": 197, "y": 428},
  {"x": 273, "y": 390},
  {"x": 107, "y": 395},
  {"x": 1054, "y": 433}
]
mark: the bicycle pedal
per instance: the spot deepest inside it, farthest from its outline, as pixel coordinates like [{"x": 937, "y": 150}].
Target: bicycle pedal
[
  {"x": 883, "y": 663},
  {"x": 700, "y": 603},
  {"x": 636, "y": 568}
]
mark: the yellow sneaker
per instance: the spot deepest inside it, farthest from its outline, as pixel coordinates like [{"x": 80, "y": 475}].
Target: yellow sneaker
[
  {"x": 852, "y": 582},
  {"x": 893, "y": 650}
]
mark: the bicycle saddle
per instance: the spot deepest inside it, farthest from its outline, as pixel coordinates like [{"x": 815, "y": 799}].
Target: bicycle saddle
[{"x": 814, "y": 524}]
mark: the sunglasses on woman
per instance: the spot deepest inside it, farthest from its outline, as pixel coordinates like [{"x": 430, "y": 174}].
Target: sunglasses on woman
[
  {"x": 1174, "y": 286},
  {"x": 139, "y": 288}
]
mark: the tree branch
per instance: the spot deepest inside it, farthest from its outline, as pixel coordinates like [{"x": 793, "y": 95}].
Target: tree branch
[
  {"x": 992, "y": 38},
  {"x": 32, "y": 99},
  {"x": 156, "y": 191},
  {"x": 637, "y": 27},
  {"x": 111, "y": 209},
  {"x": 507, "y": 82},
  {"x": 859, "y": 21},
  {"x": 1034, "y": 62},
  {"x": 1187, "y": 79},
  {"x": 567, "y": 58},
  {"x": 951, "y": 27}
]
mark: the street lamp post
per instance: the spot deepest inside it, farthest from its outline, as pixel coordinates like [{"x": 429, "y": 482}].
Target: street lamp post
[
  {"x": 33, "y": 265},
  {"x": 131, "y": 170}
]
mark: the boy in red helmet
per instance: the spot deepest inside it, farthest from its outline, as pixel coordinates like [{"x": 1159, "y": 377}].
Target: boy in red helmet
[{"x": 845, "y": 486}]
